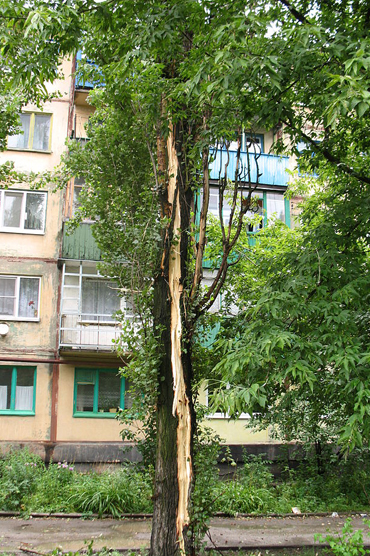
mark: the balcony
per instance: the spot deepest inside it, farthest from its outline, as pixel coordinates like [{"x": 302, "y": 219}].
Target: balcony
[
  {"x": 271, "y": 168},
  {"x": 77, "y": 333},
  {"x": 80, "y": 244},
  {"x": 89, "y": 302}
]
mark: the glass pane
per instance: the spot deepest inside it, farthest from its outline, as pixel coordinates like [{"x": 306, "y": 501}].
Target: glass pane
[
  {"x": 85, "y": 397},
  {"x": 254, "y": 216},
  {"x": 29, "y": 297},
  {"x": 99, "y": 300},
  {"x": 109, "y": 392},
  {"x": 275, "y": 206},
  {"x": 20, "y": 141},
  {"x": 76, "y": 194},
  {"x": 253, "y": 143},
  {"x": 24, "y": 389},
  {"x": 5, "y": 387},
  {"x": 35, "y": 211},
  {"x": 214, "y": 201},
  {"x": 41, "y": 132},
  {"x": 129, "y": 395},
  {"x": 7, "y": 296},
  {"x": 12, "y": 209}
]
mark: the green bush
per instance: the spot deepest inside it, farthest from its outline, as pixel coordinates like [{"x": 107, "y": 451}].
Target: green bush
[
  {"x": 19, "y": 476},
  {"x": 54, "y": 489}
]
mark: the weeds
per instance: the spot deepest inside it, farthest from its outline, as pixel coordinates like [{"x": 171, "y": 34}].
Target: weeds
[
  {"x": 349, "y": 543},
  {"x": 27, "y": 485}
]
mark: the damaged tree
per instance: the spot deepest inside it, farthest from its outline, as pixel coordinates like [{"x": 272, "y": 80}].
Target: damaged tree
[
  {"x": 178, "y": 305},
  {"x": 162, "y": 64}
]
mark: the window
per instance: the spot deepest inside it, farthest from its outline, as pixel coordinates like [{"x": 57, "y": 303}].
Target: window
[
  {"x": 99, "y": 299},
  {"x": 17, "y": 390},
  {"x": 99, "y": 393},
  {"x": 35, "y": 134},
  {"x": 252, "y": 142},
  {"x": 275, "y": 206},
  {"x": 22, "y": 211},
  {"x": 77, "y": 188},
  {"x": 19, "y": 298}
]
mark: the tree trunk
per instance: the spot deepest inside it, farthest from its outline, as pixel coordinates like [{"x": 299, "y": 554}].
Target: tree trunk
[{"x": 175, "y": 423}]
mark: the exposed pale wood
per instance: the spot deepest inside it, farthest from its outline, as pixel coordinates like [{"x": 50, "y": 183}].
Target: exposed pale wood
[{"x": 181, "y": 406}]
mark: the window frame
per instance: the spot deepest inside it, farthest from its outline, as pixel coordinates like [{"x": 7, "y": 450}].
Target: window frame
[
  {"x": 96, "y": 413},
  {"x": 29, "y": 147},
  {"x": 21, "y": 229},
  {"x": 12, "y": 410},
  {"x": 16, "y": 316}
]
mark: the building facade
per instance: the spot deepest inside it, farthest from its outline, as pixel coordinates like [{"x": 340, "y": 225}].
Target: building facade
[{"x": 60, "y": 386}]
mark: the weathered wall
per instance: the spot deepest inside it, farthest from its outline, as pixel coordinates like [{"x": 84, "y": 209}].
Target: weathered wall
[
  {"x": 81, "y": 428},
  {"x": 34, "y": 427}
]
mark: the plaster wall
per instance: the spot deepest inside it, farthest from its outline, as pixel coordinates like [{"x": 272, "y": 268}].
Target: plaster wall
[
  {"x": 26, "y": 160},
  {"x": 92, "y": 429},
  {"x": 33, "y": 338},
  {"x": 37, "y": 246}
]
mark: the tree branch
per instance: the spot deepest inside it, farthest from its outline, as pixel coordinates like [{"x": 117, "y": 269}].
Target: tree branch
[{"x": 295, "y": 13}]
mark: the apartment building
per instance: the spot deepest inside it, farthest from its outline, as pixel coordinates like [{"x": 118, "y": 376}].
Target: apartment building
[{"x": 59, "y": 375}]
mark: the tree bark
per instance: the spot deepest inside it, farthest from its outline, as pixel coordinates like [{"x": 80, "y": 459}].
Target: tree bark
[{"x": 175, "y": 415}]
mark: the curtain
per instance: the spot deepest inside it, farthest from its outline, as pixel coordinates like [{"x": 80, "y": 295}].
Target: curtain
[
  {"x": 99, "y": 299},
  {"x": 24, "y": 398},
  {"x": 41, "y": 132},
  {"x": 3, "y": 396},
  {"x": 7, "y": 296},
  {"x": 35, "y": 211},
  {"x": 275, "y": 206},
  {"x": 28, "y": 297}
]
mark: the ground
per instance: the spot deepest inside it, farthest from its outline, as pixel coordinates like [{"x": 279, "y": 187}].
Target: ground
[{"x": 267, "y": 533}]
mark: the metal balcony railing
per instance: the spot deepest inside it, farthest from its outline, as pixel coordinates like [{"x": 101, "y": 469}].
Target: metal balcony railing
[{"x": 88, "y": 331}]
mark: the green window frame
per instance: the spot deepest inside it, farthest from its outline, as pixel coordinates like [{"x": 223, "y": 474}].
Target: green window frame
[
  {"x": 27, "y": 141},
  {"x": 11, "y": 395},
  {"x": 91, "y": 380}
]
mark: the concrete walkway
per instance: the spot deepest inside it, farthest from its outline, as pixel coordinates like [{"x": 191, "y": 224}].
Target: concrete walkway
[{"x": 45, "y": 534}]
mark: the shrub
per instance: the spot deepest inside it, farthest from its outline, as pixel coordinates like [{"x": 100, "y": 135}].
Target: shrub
[
  {"x": 19, "y": 476},
  {"x": 54, "y": 488}
]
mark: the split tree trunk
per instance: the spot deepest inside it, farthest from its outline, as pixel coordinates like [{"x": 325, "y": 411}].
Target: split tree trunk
[{"x": 175, "y": 416}]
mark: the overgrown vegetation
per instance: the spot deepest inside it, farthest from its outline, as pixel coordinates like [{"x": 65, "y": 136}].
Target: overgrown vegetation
[{"x": 27, "y": 485}]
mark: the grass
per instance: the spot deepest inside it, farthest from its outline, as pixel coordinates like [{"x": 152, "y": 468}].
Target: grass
[{"x": 27, "y": 485}]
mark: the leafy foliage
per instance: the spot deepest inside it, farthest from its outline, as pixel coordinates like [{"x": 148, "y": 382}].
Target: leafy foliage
[{"x": 349, "y": 543}]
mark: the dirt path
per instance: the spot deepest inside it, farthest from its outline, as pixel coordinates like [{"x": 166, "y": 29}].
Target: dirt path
[{"x": 45, "y": 534}]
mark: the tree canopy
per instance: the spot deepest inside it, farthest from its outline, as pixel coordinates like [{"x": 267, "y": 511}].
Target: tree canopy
[{"x": 179, "y": 77}]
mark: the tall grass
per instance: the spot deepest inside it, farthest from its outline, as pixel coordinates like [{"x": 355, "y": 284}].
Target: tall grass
[{"x": 27, "y": 485}]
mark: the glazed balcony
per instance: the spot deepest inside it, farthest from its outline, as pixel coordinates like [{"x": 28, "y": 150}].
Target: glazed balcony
[{"x": 270, "y": 168}]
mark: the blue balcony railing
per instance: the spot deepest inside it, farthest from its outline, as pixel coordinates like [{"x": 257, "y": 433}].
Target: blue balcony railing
[{"x": 272, "y": 168}]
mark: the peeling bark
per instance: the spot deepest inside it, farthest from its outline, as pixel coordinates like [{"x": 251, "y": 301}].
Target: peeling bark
[
  {"x": 175, "y": 421},
  {"x": 181, "y": 405}
]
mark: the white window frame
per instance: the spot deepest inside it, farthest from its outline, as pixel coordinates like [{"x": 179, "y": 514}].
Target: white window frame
[
  {"x": 21, "y": 229},
  {"x": 15, "y": 317},
  {"x": 29, "y": 146}
]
